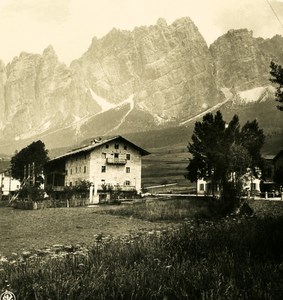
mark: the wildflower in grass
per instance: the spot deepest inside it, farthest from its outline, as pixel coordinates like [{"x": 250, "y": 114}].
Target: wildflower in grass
[{"x": 3, "y": 259}]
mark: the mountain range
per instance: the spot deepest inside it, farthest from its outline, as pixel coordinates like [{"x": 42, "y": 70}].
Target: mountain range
[{"x": 142, "y": 83}]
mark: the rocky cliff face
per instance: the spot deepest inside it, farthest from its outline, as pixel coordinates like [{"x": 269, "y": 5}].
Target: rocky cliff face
[
  {"x": 3, "y": 78},
  {"x": 168, "y": 69},
  {"x": 40, "y": 93},
  {"x": 238, "y": 61},
  {"x": 160, "y": 75}
]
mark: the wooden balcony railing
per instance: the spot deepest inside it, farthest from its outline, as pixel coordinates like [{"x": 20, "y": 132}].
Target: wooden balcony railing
[{"x": 116, "y": 161}]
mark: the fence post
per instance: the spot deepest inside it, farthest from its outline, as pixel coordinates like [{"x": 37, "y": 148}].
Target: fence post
[{"x": 34, "y": 205}]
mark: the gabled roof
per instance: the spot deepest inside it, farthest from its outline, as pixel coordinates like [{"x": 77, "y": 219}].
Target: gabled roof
[
  {"x": 97, "y": 142},
  {"x": 272, "y": 156},
  {"x": 269, "y": 156},
  {"x": 278, "y": 154}
]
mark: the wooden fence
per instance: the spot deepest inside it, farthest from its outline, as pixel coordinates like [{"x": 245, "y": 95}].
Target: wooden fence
[{"x": 50, "y": 203}]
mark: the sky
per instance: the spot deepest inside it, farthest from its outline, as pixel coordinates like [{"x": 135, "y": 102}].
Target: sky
[{"x": 70, "y": 25}]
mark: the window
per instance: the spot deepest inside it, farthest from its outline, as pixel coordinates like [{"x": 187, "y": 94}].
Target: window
[
  {"x": 76, "y": 169},
  {"x": 116, "y": 146},
  {"x": 127, "y": 182},
  {"x": 84, "y": 169},
  {"x": 128, "y": 156},
  {"x": 103, "y": 169},
  {"x": 201, "y": 187},
  {"x": 103, "y": 155},
  {"x": 66, "y": 172},
  {"x": 116, "y": 155},
  {"x": 253, "y": 186},
  {"x": 125, "y": 147},
  {"x": 106, "y": 146},
  {"x": 71, "y": 183},
  {"x": 71, "y": 171},
  {"x": 128, "y": 170}
]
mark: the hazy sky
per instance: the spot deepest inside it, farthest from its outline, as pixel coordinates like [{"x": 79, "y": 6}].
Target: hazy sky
[{"x": 70, "y": 25}]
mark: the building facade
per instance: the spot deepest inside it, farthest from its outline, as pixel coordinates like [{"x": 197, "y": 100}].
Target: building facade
[
  {"x": 114, "y": 162},
  {"x": 8, "y": 184}
]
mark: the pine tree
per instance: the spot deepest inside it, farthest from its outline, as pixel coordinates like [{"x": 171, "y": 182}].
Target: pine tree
[
  {"x": 219, "y": 150},
  {"x": 277, "y": 77}
]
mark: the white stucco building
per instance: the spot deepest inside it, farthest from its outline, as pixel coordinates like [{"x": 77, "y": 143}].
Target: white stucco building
[
  {"x": 204, "y": 187},
  {"x": 8, "y": 184},
  {"x": 113, "y": 161}
]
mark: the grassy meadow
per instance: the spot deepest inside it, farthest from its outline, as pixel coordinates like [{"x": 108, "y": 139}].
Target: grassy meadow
[
  {"x": 167, "y": 165},
  {"x": 161, "y": 252}
]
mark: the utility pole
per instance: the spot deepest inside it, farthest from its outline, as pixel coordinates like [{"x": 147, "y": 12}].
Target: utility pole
[
  {"x": 33, "y": 174},
  {"x": 1, "y": 186},
  {"x": 9, "y": 185}
]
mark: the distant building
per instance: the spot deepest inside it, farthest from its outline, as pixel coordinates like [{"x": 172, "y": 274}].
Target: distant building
[
  {"x": 113, "y": 161},
  {"x": 249, "y": 184},
  {"x": 273, "y": 162},
  {"x": 8, "y": 184}
]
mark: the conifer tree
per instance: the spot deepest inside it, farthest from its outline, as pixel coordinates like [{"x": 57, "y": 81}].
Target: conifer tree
[
  {"x": 277, "y": 77},
  {"x": 218, "y": 150}
]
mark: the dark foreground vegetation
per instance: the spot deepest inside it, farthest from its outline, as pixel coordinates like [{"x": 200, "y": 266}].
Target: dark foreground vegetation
[{"x": 232, "y": 258}]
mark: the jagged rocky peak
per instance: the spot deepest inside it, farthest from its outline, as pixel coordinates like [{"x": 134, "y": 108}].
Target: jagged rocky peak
[
  {"x": 167, "y": 68},
  {"x": 238, "y": 60},
  {"x": 49, "y": 51},
  {"x": 183, "y": 21},
  {"x": 161, "y": 22},
  {"x": 161, "y": 74}
]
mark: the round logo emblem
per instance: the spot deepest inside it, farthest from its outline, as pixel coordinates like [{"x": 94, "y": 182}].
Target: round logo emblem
[{"x": 7, "y": 296}]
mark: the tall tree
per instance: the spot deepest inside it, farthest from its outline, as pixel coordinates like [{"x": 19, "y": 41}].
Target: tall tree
[
  {"x": 219, "y": 150},
  {"x": 34, "y": 156},
  {"x": 252, "y": 138},
  {"x": 277, "y": 77},
  {"x": 208, "y": 153}
]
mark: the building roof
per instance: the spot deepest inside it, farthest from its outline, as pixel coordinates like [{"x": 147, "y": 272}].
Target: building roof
[
  {"x": 278, "y": 154},
  {"x": 97, "y": 142},
  {"x": 272, "y": 156},
  {"x": 269, "y": 156}
]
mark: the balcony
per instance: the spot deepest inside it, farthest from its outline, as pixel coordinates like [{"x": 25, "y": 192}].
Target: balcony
[
  {"x": 116, "y": 161},
  {"x": 123, "y": 188}
]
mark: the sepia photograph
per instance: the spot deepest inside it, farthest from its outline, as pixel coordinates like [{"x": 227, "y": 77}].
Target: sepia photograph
[{"x": 141, "y": 149}]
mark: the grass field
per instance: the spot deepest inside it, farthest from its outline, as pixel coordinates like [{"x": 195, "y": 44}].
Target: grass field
[
  {"x": 167, "y": 165},
  {"x": 232, "y": 258},
  {"x": 22, "y": 230}
]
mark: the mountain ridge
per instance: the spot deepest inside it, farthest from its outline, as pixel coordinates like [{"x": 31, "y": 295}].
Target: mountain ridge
[{"x": 168, "y": 72}]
